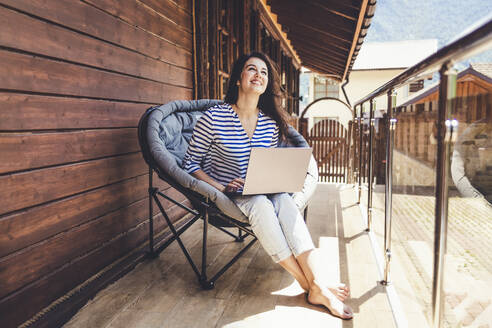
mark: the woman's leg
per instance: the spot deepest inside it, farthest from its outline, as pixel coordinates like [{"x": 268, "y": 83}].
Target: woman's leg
[
  {"x": 291, "y": 266},
  {"x": 318, "y": 293},
  {"x": 305, "y": 265},
  {"x": 264, "y": 223}
]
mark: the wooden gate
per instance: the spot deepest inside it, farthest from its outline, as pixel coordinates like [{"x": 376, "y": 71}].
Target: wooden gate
[{"x": 330, "y": 142}]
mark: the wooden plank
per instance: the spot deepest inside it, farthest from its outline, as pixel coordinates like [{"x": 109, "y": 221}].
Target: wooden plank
[
  {"x": 26, "y": 189},
  {"x": 316, "y": 130},
  {"x": 41, "y": 222},
  {"x": 172, "y": 11},
  {"x": 21, "y": 151},
  {"x": 85, "y": 18},
  {"x": 26, "y": 266},
  {"x": 337, "y": 155},
  {"x": 41, "y": 293},
  {"x": 321, "y": 147},
  {"x": 322, "y": 27},
  {"x": 134, "y": 13},
  {"x": 345, "y": 9},
  {"x": 326, "y": 145},
  {"x": 327, "y": 138},
  {"x": 33, "y": 112},
  {"x": 33, "y": 74},
  {"x": 330, "y": 131},
  {"x": 306, "y": 12},
  {"x": 30, "y": 264},
  {"x": 335, "y": 54},
  {"x": 54, "y": 41},
  {"x": 202, "y": 48},
  {"x": 349, "y": 169},
  {"x": 327, "y": 127},
  {"x": 184, "y": 4}
]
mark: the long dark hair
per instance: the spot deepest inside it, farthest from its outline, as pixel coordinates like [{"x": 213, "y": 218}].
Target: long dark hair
[{"x": 269, "y": 101}]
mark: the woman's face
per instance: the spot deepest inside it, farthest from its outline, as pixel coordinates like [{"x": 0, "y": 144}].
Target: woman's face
[{"x": 254, "y": 77}]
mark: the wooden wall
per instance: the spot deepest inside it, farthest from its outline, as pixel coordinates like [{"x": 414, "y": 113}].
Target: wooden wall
[
  {"x": 75, "y": 76},
  {"x": 234, "y": 27}
]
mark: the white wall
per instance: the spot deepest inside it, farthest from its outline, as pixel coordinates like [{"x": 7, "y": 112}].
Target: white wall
[
  {"x": 363, "y": 82},
  {"x": 328, "y": 109}
]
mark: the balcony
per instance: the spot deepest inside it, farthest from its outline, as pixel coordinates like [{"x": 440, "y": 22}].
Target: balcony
[
  {"x": 413, "y": 246},
  {"x": 255, "y": 292}
]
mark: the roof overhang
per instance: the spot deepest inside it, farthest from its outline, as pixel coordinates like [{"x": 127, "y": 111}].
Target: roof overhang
[{"x": 326, "y": 34}]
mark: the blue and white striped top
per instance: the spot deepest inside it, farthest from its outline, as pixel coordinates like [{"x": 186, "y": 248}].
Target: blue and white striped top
[{"x": 220, "y": 146}]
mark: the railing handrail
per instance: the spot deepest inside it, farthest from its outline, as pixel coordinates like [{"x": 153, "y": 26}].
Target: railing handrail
[{"x": 471, "y": 43}]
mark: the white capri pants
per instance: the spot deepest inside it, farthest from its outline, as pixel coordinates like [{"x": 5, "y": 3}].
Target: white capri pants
[{"x": 277, "y": 223}]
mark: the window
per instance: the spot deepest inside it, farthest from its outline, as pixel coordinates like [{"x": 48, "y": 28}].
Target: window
[
  {"x": 416, "y": 86},
  {"x": 325, "y": 87},
  {"x": 228, "y": 49}
]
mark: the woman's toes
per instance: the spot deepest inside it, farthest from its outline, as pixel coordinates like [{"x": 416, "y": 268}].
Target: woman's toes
[
  {"x": 340, "y": 291},
  {"x": 347, "y": 312},
  {"x": 333, "y": 304}
]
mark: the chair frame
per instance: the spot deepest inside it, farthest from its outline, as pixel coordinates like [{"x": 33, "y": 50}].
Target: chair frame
[{"x": 203, "y": 209}]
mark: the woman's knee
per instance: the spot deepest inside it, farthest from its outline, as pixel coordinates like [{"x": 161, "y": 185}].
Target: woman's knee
[
  {"x": 283, "y": 201},
  {"x": 256, "y": 206}
]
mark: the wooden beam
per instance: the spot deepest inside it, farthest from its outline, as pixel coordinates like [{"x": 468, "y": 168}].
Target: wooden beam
[
  {"x": 318, "y": 39},
  {"x": 316, "y": 47},
  {"x": 323, "y": 68},
  {"x": 325, "y": 28},
  {"x": 362, "y": 14},
  {"x": 326, "y": 69},
  {"x": 272, "y": 20},
  {"x": 307, "y": 12},
  {"x": 322, "y": 57},
  {"x": 344, "y": 8}
]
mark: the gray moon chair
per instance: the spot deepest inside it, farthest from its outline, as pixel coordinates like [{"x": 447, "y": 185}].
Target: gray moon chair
[{"x": 164, "y": 133}]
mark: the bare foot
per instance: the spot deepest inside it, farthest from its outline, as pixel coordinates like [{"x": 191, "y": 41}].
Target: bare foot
[
  {"x": 341, "y": 291},
  {"x": 322, "y": 296}
]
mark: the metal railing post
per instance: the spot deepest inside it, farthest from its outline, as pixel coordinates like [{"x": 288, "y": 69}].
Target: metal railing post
[
  {"x": 390, "y": 137},
  {"x": 372, "y": 107},
  {"x": 353, "y": 150},
  {"x": 360, "y": 155},
  {"x": 447, "y": 91}
]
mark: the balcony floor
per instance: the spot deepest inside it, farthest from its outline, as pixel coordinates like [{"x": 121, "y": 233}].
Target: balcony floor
[{"x": 254, "y": 292}]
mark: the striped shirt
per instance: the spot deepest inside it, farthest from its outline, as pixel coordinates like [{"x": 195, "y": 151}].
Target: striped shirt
[{"x": 220, "y": 146}]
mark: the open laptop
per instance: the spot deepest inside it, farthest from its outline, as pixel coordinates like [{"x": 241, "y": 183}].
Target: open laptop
[{"x": 274, "y": 170}]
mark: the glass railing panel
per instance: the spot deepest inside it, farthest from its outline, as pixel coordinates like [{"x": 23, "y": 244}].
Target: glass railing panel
[
  {"x": 468, "y": 262},
  {"x": 378, "y": 201},
  {"x": 413, "y": 210},
  {"x": 364, "y": 163}
]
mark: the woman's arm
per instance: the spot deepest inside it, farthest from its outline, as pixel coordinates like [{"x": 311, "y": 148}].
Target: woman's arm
[
  {"x": 201, "y": 175},
  {"x": 199, "y": 147},
  {"x": 232, "y": 186}
]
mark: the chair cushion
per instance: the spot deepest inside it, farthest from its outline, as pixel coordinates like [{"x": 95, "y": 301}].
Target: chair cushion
[
  {"x": 169, "y": 129},
  {"x": 301, "y": 198}
]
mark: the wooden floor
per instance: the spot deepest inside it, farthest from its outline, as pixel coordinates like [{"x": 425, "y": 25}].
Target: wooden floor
[{"x": 255, "y": 292}]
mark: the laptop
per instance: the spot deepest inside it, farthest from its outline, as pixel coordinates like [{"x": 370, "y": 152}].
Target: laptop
[{"x": 274, "y": 170}]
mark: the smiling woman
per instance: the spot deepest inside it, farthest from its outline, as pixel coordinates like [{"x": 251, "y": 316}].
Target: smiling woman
[{"x": 218, "y": 154}]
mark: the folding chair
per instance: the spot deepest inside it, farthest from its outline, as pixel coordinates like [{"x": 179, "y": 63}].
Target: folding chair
[{"x": 164, "y": 133}]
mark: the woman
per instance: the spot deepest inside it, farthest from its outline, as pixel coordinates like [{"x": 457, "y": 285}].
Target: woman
[{"x": 218, "y": 154}]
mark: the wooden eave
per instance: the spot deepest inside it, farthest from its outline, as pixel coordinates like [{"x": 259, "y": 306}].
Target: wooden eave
[
  {"x": 271, "y": 20},
  {"x": 326, "y": 34}
]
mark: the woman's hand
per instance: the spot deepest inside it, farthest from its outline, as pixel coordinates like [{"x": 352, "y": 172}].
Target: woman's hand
[{"x": 234, "y": 185}]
